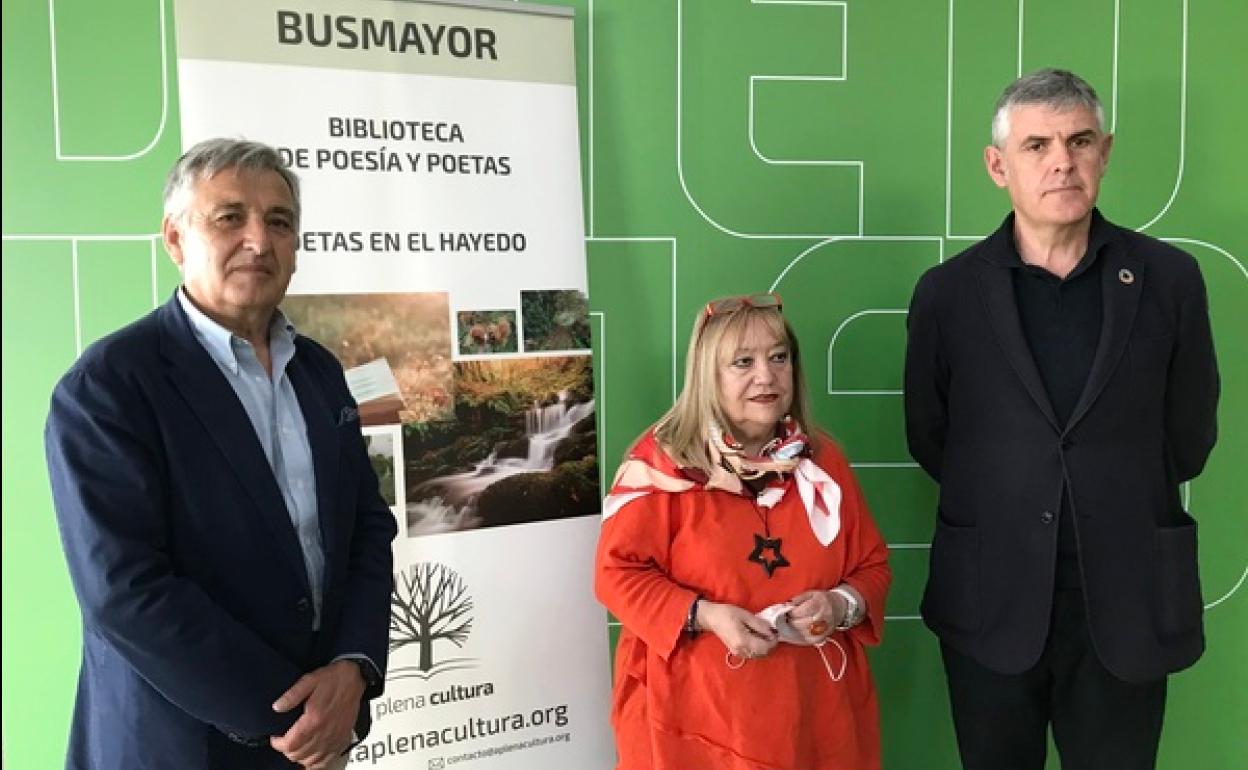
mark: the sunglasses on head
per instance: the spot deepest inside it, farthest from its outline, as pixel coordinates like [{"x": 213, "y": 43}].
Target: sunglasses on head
[{"x": 727, "y": 305}]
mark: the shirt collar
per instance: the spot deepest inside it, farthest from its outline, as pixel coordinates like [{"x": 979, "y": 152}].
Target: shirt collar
[
  {"x": 1004, "y": 252},
  {"x": 220, "y": 342}
]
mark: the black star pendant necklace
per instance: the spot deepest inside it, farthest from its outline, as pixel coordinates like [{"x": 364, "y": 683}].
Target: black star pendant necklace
[{"x": 765, "y": 544}]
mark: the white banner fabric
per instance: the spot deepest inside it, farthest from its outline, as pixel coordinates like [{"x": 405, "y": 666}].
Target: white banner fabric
[{"x": 442, "y": 258}]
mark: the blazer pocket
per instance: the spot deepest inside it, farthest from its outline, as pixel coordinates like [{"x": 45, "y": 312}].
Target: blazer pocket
[
  {"x": 1178, "y": 607},
  {"x": 952, "y": 595}
]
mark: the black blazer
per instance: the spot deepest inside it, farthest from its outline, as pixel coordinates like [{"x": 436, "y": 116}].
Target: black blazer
[
  {"x": 979, "y": 421},
  {"x": 194, "y": 595}
]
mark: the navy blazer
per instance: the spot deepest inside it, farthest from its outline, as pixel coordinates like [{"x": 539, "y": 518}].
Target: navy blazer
[
  {"x": 979, "y": 421},
  {"x": 196, "y": 608}
]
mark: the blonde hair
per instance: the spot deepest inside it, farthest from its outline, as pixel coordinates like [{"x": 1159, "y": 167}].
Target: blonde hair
[{"x": 682, "y": 431}]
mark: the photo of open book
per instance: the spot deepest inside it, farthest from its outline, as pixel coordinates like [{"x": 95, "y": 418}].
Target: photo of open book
[{"x": 376, "y": 391}]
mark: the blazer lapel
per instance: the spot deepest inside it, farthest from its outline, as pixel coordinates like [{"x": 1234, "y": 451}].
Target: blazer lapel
[
  {"x": 996, "y": 286},
  {"x": 214, "y": 402},
  {"x": 1122, "y": 279},
  {"x": 323, "y": 439}
]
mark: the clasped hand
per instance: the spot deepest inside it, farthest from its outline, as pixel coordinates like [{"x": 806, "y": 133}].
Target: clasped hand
[
  {"x": 331, "y": 700},
  {"x": 814, "y": 614}
]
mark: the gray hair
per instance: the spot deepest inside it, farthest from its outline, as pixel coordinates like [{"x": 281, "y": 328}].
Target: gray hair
[
  {"x": 1059, "y": 89},
  {"x": 206, "y": 159}
]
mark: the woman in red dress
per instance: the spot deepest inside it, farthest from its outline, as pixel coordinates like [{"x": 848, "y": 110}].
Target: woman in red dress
[{"x": 741, "y": 560}]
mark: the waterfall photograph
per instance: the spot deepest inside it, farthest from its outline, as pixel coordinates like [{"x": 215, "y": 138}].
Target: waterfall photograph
[
  {"x": 461, "y": 444},
  {"x": 522, "y": 448}
]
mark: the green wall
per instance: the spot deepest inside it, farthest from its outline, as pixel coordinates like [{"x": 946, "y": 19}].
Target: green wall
[{"x": 828, "y": 149}]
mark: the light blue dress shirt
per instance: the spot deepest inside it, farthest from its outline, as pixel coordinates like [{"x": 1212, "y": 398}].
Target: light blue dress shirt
[{"x": 273, "y": 409}]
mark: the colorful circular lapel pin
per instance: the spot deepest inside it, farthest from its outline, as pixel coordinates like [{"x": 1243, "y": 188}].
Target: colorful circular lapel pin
[{"x": 1126, "y": 276}]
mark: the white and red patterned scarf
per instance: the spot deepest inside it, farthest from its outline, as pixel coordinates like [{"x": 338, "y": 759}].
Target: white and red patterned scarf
[{"x": 649, "y": 469}]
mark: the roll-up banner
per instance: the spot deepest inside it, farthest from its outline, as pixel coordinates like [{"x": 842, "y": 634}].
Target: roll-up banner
[{"x": 442, "y": 259}]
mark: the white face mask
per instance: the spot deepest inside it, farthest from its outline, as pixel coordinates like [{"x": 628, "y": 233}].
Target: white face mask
[{"x": 777, "y": 616}]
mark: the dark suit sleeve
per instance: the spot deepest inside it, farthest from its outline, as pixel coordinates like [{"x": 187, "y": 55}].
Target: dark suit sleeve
[
  {"x": 370, "y": 577},
  {"x": 1192, "y": 385},
  {"x": 110, "y": 489},
  {"x": 926, "y": 380}
]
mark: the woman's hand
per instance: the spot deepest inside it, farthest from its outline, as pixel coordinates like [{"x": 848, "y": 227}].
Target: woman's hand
[
  {"x": 816, "y": 614},
  {"x": 744, "y": 634}
]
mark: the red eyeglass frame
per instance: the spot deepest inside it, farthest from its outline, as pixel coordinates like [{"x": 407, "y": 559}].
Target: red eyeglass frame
[{"x": 729, "y": 305}]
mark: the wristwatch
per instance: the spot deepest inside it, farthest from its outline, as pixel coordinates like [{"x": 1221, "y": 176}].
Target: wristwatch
[
  {"x": 853, "y": 610},
  {"x": 367, "y": 673}
]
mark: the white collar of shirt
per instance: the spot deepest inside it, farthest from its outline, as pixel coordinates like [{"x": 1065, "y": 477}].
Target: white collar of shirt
[{"x": 219, "y": 341}]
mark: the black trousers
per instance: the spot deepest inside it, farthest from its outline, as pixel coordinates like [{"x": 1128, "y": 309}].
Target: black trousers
[{"x": 1099, "y": 721}]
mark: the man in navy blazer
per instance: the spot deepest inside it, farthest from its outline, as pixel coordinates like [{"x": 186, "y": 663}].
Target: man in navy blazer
[
  {"x": 1060, "y": 385},
  {"x": 223, "y": 527}
]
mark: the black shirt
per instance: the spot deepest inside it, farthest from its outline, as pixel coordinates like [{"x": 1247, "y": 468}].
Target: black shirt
[{"x": 1061, "y": 319}]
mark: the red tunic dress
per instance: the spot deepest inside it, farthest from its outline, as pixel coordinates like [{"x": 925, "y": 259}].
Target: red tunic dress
[{"x": 677, "y": 705}]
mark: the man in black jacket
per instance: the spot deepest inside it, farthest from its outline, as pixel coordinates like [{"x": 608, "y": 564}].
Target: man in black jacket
[{"x": 1060, "y": 385}]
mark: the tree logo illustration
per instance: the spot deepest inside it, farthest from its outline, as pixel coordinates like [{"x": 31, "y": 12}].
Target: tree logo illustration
[{"x": 429, "y": 603}]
